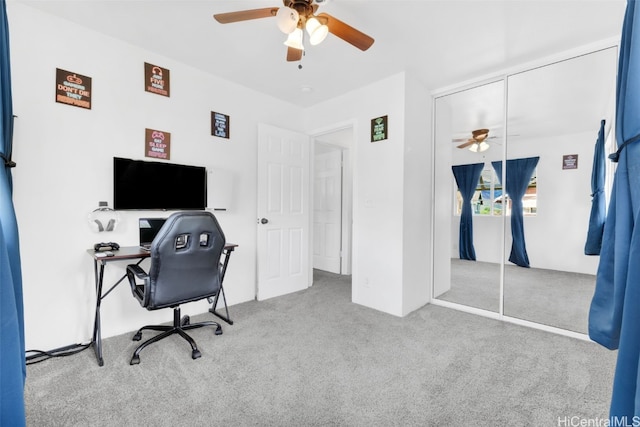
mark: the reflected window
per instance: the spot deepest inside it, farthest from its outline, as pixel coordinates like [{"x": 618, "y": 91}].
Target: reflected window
[{"x": 489, "y": 200}]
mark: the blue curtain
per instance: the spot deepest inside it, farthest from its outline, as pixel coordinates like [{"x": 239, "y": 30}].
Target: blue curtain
[
  {"x": 614, "y": 317},
  {"x": 12, "y": 351},
  {"x": 517, "y": 177},
  {"x": 596, "y": 220},
  {"x": 467, "y": 177}
]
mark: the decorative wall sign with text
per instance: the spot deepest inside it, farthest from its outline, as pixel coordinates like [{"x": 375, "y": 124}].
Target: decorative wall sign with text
[
  {"x": 157, "y": 144},
  {"x": 220, "y": 125},
  {"x": 73, "y": 89},
  {"x": 570, "y": 161},
  {"x": 156, "y": 79},
  {"x": 379, "y": 129}
]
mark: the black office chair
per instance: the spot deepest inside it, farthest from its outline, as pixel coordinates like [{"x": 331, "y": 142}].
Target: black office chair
[{"x": 185, "y": 267}]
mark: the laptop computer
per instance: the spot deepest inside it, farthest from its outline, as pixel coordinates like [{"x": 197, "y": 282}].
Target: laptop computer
[{"x": 149, "y": 228}]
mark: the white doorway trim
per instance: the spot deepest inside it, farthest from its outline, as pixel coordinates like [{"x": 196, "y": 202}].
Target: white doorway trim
[{"x": 347, "y": 148}]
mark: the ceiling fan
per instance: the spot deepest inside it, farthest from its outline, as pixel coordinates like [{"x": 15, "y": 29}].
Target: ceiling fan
[
  {"x": 477, "y": 142},
  {"x": 299, "y": 15}
]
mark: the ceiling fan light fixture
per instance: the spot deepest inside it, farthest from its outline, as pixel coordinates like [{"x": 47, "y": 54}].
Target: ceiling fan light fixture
[
  {"x": 317, "y": 31},
  {"x": 287, "y": 19},
  {"x": 479, "y": 148},
  {"x": 295, "y": 39}
]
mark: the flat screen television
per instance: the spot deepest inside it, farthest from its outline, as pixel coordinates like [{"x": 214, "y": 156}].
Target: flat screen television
[{"x": 147, "y": 185}]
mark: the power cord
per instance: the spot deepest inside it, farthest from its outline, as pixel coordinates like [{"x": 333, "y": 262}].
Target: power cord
[{"x": 36, "y": 356}]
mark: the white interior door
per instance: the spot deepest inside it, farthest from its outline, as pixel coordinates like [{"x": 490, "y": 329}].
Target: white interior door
[
  {"x": 283, "y": 212},
  {"x": 327, "y": 210}
]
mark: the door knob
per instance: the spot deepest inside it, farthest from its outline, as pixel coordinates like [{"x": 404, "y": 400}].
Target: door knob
[{"x": 264, "y": 221}]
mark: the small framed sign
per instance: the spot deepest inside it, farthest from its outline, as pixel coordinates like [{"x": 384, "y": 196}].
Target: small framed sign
[
  {"x": 156, "y": 79},
  {"x": 570, "y": 161},
  {"x": 220, "y": 125},
  {"x": 73, "y": 89},
  {"x": 379, "y": 129},
  {"x": 157, "y": 144}
]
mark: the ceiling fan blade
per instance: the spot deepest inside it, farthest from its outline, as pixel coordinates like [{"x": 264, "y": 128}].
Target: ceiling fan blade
[
  {"x": 466, "y": 144},
  {"x": 346, "y": 32},
  {"x": 245, "y": 15},
  {"x": 294, "y": 54}
]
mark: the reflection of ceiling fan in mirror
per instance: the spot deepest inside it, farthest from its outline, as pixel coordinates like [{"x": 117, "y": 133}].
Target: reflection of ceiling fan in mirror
[
  {"x": 299, "y": 15},
  {"x": 478, "y": 141}
]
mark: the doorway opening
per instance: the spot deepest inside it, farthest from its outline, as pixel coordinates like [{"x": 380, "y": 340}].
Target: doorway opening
[{"x": 332, "y": 201}]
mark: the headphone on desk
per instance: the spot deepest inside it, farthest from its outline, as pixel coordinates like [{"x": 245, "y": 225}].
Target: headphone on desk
[{"x": 110, "y": 225}]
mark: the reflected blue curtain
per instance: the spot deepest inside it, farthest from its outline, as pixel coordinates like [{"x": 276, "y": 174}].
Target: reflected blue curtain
[
  {"x": 517, "y": 177},
  {"x": 467, "y": 177},
  {"x": 597, "y": 217},
  {"x": 12, "y": 351},
  {"x": 614, "y": 316}
]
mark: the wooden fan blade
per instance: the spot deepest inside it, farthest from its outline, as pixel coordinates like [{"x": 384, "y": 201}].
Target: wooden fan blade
[
  {"x": 294, "y": 54},
  {"x": 245, "y": 15},
  {"x": 346, "y": 32},
  {"x": 466, "y": 144}
]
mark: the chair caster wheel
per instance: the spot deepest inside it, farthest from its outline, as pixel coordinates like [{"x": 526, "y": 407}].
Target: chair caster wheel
[
  {"x": 218, "y": 330},
  {"x": 135, "y": 360},
  {"x": 185, "y": 320},
  {"x": 195, "y": 354},
  {"x": 137, "y": 336}
]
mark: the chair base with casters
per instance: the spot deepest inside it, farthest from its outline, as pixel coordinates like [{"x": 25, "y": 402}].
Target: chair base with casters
[{"x": 179, "y": 327}]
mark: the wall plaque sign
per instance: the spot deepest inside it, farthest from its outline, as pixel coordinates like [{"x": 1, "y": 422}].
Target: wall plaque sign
[
  {"x": 379, "y": 129},
  {"x": 570, "y": 161},
  {"x": 220, "y": 125},
  {"x": 73, "y": 89},
  {"x": 157, "y": 144},
  {"x": 156, "y": 79}
]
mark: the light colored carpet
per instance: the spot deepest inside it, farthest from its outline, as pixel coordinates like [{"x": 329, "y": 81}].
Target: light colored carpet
[
  {"x": 550, "y": 297},
  {"x": 313, "y": 358}
]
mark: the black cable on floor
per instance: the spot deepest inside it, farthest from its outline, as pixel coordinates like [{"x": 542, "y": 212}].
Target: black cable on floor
[{"x": 36, "y": 356}]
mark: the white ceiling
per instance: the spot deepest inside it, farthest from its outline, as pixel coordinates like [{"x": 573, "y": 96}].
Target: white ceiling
[{"x": 441, "y": 42}]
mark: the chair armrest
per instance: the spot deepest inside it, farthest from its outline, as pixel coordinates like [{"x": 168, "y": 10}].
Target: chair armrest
[
  {"x": 137, "y": 271},
  {"x": 139, "y": 291}
]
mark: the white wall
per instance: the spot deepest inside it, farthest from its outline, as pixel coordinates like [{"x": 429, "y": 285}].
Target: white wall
[
  {"x": 381, "y": 275},
  {"x": 417, "y": 196},
  {"x": 64, "y": 156}
]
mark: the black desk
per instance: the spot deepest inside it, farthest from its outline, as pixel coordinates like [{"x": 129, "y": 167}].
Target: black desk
[{"x": 128, "y": 253}]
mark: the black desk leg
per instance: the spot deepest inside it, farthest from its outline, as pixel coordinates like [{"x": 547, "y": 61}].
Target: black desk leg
[
  {"x": 96, "y": 341},
  {"x": 215, "y": 304},
  {"x": 226, "y": 318}
]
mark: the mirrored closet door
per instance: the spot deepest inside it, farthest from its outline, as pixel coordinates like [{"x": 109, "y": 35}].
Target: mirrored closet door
[
  {"x": 513, "y": 160},
  {"x": 468, "y": 233},
  {"x": 554, "y": 114}
]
